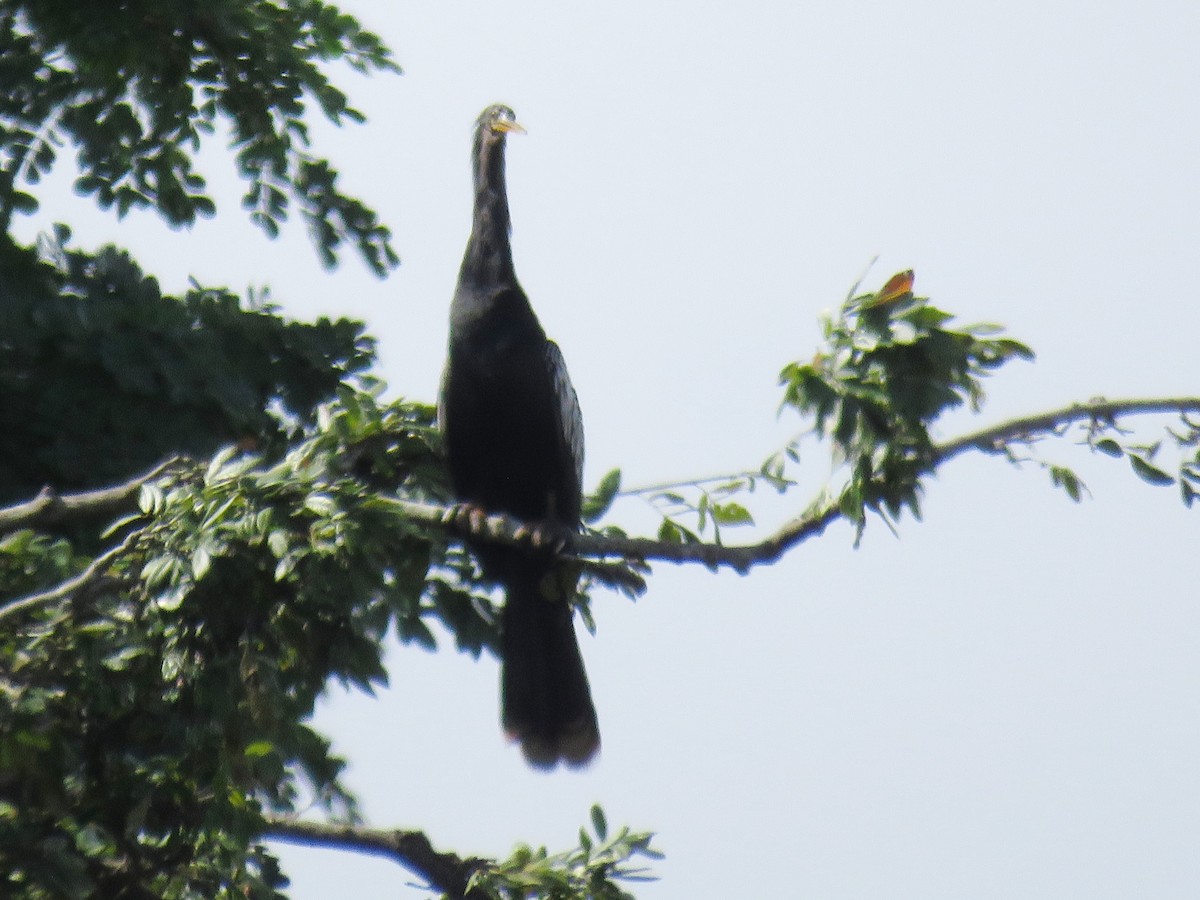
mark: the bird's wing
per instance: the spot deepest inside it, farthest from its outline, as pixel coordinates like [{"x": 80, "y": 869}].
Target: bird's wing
[
  {"x": 441, "y": 400},
  {"x": 570, "y": 416}
]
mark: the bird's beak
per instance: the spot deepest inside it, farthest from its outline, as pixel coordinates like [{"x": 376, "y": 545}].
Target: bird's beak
[{"x": 514, "y": 127}]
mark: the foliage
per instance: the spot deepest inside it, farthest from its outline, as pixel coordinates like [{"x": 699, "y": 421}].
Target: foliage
[
  {"x": 95, "y": 357},
  {"x": 137, "y": 97},
  {"x": 890, "y": 367},
  {"x": 590, "y": 872},
  {"x": 1105, "y": 435},
  {"x": 155, "y": 713},
  {"x": 152, "y": 718}
]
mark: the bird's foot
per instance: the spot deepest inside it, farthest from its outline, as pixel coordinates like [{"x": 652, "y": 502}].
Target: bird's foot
[
  {"x": 468, "y": 516},
  {"x": 550, "y": 536}
]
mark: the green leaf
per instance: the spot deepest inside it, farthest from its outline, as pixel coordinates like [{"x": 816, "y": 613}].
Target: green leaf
[
  {"x": 150, "y": 499},
  {"x": 160, "y": 570},
  {"x": 63, "y": 871},
  {"x": 118, "y": 524},
  {"x": 1149, "y": 473},
  {"x": 22, "y": 202},
  {"x": 850, "y": 504},
  {"x": 1063, "y": 477},
  {"x": 669, "y": 532},
  {"x": 172, "y": 599},
  {"x": 598, "y": 503},
  {"x": 599, "y": 822},
  {"x": 286, "y": 565},
  {"x": 321, "y": 504},
  {"x": 414, "y": 629},
  {"x": 201, "y": 562},
  {"x": 278, "y": 542},
  {"x": 731, "y": 514},
  {"x": 1109, "y": 447},
  {"x": 119, "y": 660},
  {"x": 1189, "y": 494}
]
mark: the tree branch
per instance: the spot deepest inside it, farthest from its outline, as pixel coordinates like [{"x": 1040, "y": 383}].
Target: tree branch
[
  {"x": 49, "y": 507},
  {"x": 93, "y": 575},
  {"x": 504, "y": 529},
  {"x": 445, "y": 872},
  {"x": 742, "y": 557},
  {"x": 990, "y": 439}
]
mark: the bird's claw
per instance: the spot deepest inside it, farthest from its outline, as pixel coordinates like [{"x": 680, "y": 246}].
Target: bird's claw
[
  {"x": 473, "y": 519},
  {"x": 543, "y": 536},
  {"x": 467, "y": 516}
]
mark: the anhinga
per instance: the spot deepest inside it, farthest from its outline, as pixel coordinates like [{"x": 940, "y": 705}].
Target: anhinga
[{"x": 514, "y": 443}]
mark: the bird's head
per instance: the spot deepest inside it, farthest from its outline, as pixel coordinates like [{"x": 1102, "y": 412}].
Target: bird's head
[{"x": 498, "y": 120}]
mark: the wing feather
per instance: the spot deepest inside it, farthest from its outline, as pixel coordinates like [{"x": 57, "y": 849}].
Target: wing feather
[{"x": 570, "y": 416}]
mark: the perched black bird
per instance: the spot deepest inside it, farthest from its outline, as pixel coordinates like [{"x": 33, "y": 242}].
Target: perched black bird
[{"x": 514, "y": 442}]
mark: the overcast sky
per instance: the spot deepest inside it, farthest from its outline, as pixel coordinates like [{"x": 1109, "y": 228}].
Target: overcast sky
[{"x": 1004, "y": 701}]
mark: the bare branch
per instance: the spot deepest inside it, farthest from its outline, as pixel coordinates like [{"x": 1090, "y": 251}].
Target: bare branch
[
  {"x": 50, "y": 507},
  {"x": 445, "y": 872}
]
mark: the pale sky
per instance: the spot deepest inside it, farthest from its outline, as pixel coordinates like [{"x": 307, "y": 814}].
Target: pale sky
[{"x": 1002, "y": 702}]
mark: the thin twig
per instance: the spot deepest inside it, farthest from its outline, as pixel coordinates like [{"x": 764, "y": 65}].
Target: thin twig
[{"x": 992, "y": 438}]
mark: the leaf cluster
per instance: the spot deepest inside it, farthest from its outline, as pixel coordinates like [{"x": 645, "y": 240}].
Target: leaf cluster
[
  {"x": 1105, "y": 435},
  {"x": 152, "y": 718},
  {"x": 136, "y": 98},
  {"x": 708, "y": 502},
  {"x": 102, "y": 375},
  {"x": 711, "y": 506},
  {"x": 891, "y": 365},
  {"x": 592, "y": 871}
]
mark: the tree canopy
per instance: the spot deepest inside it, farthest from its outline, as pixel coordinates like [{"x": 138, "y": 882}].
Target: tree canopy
[{"x": 212, "y": 513}]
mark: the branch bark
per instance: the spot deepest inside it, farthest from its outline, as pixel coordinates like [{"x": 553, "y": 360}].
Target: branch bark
[
  {"x": 990, "y": 439},
  {"x": 48, "y": 507},
  {"x": 448, "y": 873},
  {"x": 506, "y": 530},
  {"x": 741, "y": 558},
  {"x": 92, "y": 577}
]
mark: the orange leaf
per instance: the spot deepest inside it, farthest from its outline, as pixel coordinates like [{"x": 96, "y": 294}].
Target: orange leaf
[{"x": 897, "y": 286}]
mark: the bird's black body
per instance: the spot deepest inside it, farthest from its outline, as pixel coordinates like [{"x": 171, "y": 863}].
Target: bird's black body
[{"x": 514, "y": 444}]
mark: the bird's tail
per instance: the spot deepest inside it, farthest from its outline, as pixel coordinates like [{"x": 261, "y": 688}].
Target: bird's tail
[{"x": 545, "y": 700}]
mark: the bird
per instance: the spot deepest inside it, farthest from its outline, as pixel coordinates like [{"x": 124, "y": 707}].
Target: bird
[{"x": 513, "y": 439}]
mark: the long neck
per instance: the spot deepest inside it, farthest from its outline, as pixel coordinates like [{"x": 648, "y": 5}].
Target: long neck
[{"x": 488, "y": 259}]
